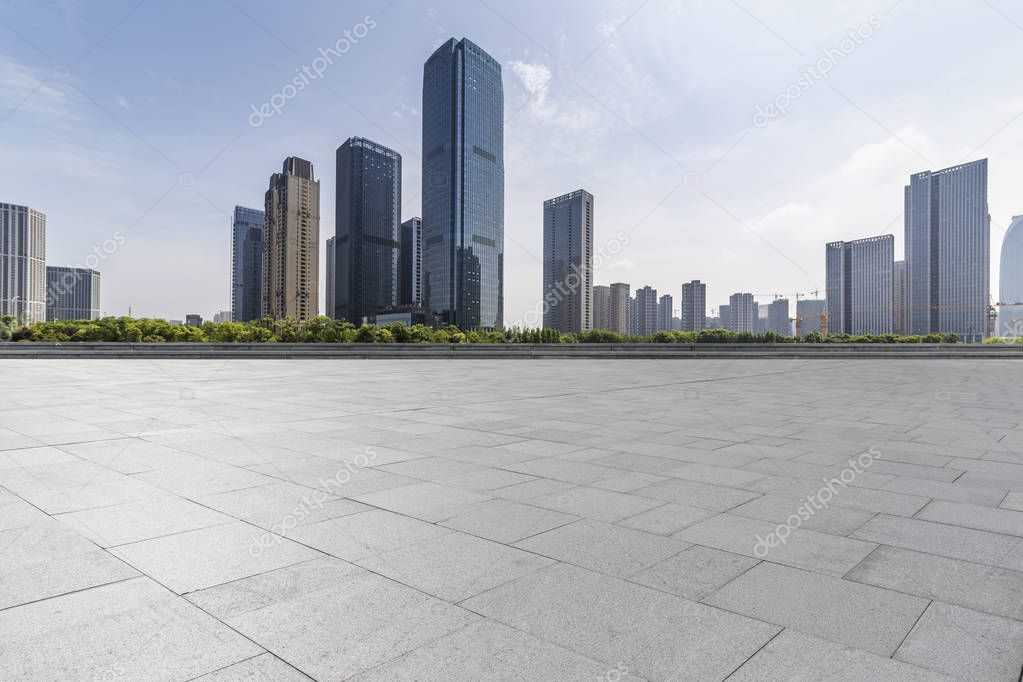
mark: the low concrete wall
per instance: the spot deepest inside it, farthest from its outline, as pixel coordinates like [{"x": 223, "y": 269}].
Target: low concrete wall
[{"x": 504, "y": 351}]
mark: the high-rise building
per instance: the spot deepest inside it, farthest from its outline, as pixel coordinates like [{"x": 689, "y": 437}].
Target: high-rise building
[
  {"x": 664, "y": 313},
  {"x": 71, "y": 293},
  {"x": 291, "y": 243},
  {"x": 694, "y": 306},
  {"x": 246, "y": 263},
  {"x": 568, "y": 262},
  {"x": 724, "y": 318},
  {"x": 602, "y": 307},
  {"x": 646, "y": 311},
  {"x": 410, "y": 263},
  {"x": 900, "y": 324},
  {"x": 859, "y": 285},
  {"x": 193, "y": 320},
  {"x": 1010, "y": 281},
  {"x": 778, "y": 317},
  {"x": 463, "y": 186},
  {"x": 811, "y": 315},
  {"x": 619, "y": 308},
  {"x": 947, "y": 243},
  {"x": 760, "y": 318},
  {"x": 367, "y": 228},
  {"x": 743, "y": 312},
  {"x": 222, "y": 316},
  {"x": 22, "y": 263},
  {"x": 331, "y": 286}
]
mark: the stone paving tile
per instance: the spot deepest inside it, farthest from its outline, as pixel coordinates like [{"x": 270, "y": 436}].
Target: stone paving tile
[
  {"x": 134, "y": 521},
  {"x": 427, "y": 501},
  {"x": 692, "y": 493},
  {"x": 357, "y": 536},
  {"x": 595, "y": 503},
  {"x": 966, "y": 644},
  {"x": 695, "y": 572},
  {"x": 507, "y": 521},
  {"x": 262, "y": 668},
  {"x": 667, "y": 519},
  {"x": 972, "y": 516},
  {"x": 834, "y": 520},
  {"x": 282, "y": 506},
  {"x": 73, "y": 486}
]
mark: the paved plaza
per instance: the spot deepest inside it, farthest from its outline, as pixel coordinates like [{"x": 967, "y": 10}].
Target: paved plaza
[{"x": 511, "y": 519}]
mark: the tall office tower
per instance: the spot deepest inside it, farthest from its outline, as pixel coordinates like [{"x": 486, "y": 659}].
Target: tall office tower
[
  {"x": 859, "y": 285},
  {"x": 463, "y": 186},
  {"x": 664, "y": 313},
  {"x": 602, "y": 307},
  {"x": 742, "y": 312},
  {"x": 410, "y": 263},
  {"x": 367, "y": 227},
  {"x": 694, "y": 306},
  {"x": 331, "y": 286},
  {"x": 760, "y": 319},
  {"x": 724, "y": 317},
  {"x": 71, "y": 293},
  {"x": 1010, "y": 284},
  {"x": 810, "y": 313},
  {"x": 222, "y": 316},
  {"x": 778, "y": 317},
  {"x": 22, "y": 263},
  {"x": 646, "y": 311},
  {"x": 947, "y": 243},
  {"x": 568, "y": 261},
  {"x": 633, "y": 316},
  {"x": 246, "y": 263},
  {"x": 619, "y": 308},
  {"x": 291, "y": 243},
  {"x": 899, "y": 309}
]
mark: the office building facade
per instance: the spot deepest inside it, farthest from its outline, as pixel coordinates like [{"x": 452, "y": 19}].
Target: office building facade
[
  {"x": 410, "y": 263},
  {"x": 810, "y": 314},
  {"x": 694, "y": 306},
  {"x": 247, "y": 226},
  {"x": 665, "y": 313},
  {"x": 367, "y": 228},
  {"x": 1010, "y": 281},
  {"x": 743, "y": 312},
  {"x": 859, "y": 287},
  {"x": 645, "y": 315},
  {"x": 900, "y": 321},
  {"x": 22, "y": 263},
  {"x": 947, "y": 244},
  {"x": 778, "y": 317},
  {"x": 568, "y": 262},
  {"x": 329, "y": 289},
  {"x": 71, "y": 293},
  {"x": 601, "y": 307},
  {"x": 463, "y": 186},
  {"x": 619, "y": 308},
  {"x": 291, "y": 243}
]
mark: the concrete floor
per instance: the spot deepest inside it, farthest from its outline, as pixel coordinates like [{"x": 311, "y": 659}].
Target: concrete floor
[{"x": 572, "y": 519}]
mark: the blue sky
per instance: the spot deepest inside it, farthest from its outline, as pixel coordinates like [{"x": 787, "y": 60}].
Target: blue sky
[{"x": 133, "y": 118}]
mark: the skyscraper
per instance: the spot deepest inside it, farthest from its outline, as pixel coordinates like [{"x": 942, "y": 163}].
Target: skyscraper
[
  {"x": 947, "y": 242},
  {"x": 619, "y": 308},
  {"x": 602, "y": 307},
  {"x": 1010, "y": 284},
  {"x": 331, "y": 284},
  {"x": 246, "y": 263},
  {"x": 410, "y": 263},
  {"x": 568, "y": 261},
  {"x": 694, "y": 306},
  {"x": 71, "y": 293},
  {"x": 810, "y": 314},
  {"x": 291, "y": 243},
  {"x": 778, "y": 317},
  {"x": 664, "y": 313},
  {"x": 22, "y": 263},
  {"x": 859, "y": 285},
  {"x": 899, "y": 309},
  {"x": 725, "y": 316},
  {"x": 367, "y": 227},
  {"x": 463, "y": 185},
  {"x": 646, "y": 311},
  {"x": 742, "y": 312}
]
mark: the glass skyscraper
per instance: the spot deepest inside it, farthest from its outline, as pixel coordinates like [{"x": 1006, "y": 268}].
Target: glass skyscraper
[
  {"x": 859, "y": 285},
  {"x": 367, "y": 219},
  {"x": 947, "y": 240},
  {"x": 246, "y": 264},
  {"x": 1010, "y": 285},
  {"x": 71, "y": 293},
  {"x": 22, "y": 263},
  {"x": 463, "y": 186},
  {"x": 568, "y": 262}
]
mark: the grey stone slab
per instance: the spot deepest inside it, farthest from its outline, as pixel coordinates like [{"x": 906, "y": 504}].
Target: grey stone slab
[
  {"x": 133, "y": 630},
  {"x": 73, "y": 486},
  {"x": 973, "y": 516},
  {"x": 16, "y": 513},
  {"x": 507, "y": 521},
  {"x": 667, "y": 519},
  {"x": 357, "y": 536},
  {"x": 942, "y": 539},
  {"x": 281, "y": 507},
  {"x": 966, "y": 644},
  {"x": 202, "y": 558},
  {"x": 487, "y": 480},
  {"x": 878, "y": 501},
  {"x": 832, "y": 519},
  {"x": 652, "y": 634},
  {"x": 262, "y": 668},
  {"x": 603, "y": 547},
  {"x": 523, "y": 492},
  {"x": 953, "y": 581},
  {"x": 695, "y": 572},
  {"x": 28, "y": 457},
  {"x": 793, "y": 655},
  {"x": 205, "y": 478},
  {"x": 860, "y": 616},
  {"x": 695, "y": 494},
  {"x": 1014, "y": 501},
  {"x": 715, "y": 475},
  {"x": 486, "y": 650},
  {"x": 954, "y": 492},
  {"x": 595, "y": 503},
  {"x": 135, "y": 521},
  {"x": 130, "y": 455},
  {"x": 427, "y": 501},
  {"x": 800, "y": 548}
]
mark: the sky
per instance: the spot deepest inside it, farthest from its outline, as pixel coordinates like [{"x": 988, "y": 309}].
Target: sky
[{"x": 723, "y": 141}]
